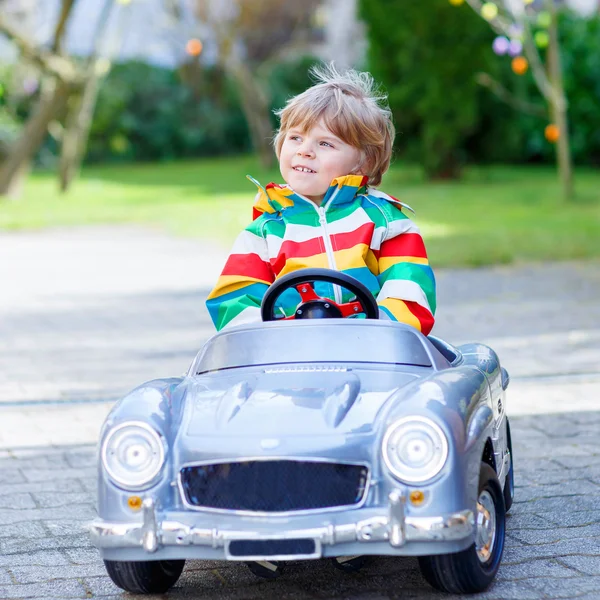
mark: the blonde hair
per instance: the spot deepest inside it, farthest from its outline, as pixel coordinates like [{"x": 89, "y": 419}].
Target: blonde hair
[{"x": 352, "y": 108}]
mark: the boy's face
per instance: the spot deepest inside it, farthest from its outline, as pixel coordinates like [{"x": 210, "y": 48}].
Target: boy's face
[{"x": 310, "y": 160}]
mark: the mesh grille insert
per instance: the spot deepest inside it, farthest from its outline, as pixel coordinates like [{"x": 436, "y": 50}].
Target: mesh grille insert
[{"x": 274, "y": 485}]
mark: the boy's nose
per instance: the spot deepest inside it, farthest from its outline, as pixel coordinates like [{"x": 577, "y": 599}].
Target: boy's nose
[{"x": 306, "y": 151}]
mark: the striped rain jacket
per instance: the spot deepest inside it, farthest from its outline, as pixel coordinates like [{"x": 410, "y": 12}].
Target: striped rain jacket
[{"x": 357, "y": 230}]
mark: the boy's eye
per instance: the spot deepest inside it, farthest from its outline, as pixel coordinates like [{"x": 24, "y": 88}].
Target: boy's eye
[
  {"x": 294, "y": 137},
  {"x": 326, "y": 144}
]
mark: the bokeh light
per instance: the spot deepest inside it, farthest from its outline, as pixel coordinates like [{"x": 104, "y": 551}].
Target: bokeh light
[
  {"x": 489, "y": 11},
  {"x": 520, "y": 65},
  {"x": 193, "y": 47},
  {"x": 552, "y": 133},
  {"x": 542, "y": 39},
  {"x": 501, "y": 45}
]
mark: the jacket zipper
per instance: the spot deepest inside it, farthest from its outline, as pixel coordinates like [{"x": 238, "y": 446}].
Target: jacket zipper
[{"x": 337, "y": 292}]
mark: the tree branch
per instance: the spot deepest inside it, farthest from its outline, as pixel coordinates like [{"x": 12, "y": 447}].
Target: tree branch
[
  {"x": 502, "y": 26},
  {"x": 51, "y": 63},
  {"x": 509, "y": 98},
  {"x": 61, "y": 25}
]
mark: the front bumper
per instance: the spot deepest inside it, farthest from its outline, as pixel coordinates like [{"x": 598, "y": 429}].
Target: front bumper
[{"x": 384, "y": 534}]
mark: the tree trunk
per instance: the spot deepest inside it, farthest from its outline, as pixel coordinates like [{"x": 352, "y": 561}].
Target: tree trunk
[
  {"x": 77, "y": 130},
  {"x": 558, "y": 108},
  {"x": 256, "y": 109},
  {"x": 22, "y": 151}
]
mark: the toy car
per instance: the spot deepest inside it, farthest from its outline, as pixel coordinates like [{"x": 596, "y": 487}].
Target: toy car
[{"x": 305, "y": 437}]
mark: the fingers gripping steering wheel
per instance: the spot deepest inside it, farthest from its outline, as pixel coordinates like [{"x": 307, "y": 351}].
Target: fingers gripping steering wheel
[{"x": 313, "y": 306}]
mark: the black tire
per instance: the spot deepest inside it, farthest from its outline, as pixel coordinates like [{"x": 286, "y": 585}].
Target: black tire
[
  {"x": 144, "y": 577},
  {"x": 464, "y": 572},
  {"x": 351, "y": 564},
  {"x": 509, "y": 484},
  {"x": 267, "y": 569}
]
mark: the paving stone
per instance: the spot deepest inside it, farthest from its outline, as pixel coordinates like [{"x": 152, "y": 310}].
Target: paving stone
[
  {"x": 561, "y": 505},
  {"x": 9, "y": 476},
  {"x": 574, "y": 488},
  {"x": 59, "y": 499},
  {"x": 584, "y": 547},
  {"x": 516, "y": 521},
  {"x": 16, "y": 501},
  {"x": 563, "y": 475},
  {"x": 59, "y": 588},
  {"x": 556, "y": 534},
  {"x": 588, "y": 460},
  {"x": 555, "y": 588},
  {"x": 82, "y": 458},
  {"x": 535, "y": 568},
  {"x": 45, "y": 475},
  {"x": 5, "y": 577},
  {"x": 43, "y": 558},
  {"x": 33, "y": 574},
  {"x": 66, "y": 527},
  {"x": 48, "y": 462},
  {"x": 79, "y": 512},
  {"x": 90, "y": 484},
  {"x": 574, "y": 519},
  {"x": 83, "y": 556},
  {"x": 23, "y": 531},
  {"x": 10, "y": 546},
  {"x": 589, "y": 565},
  {"x": 66, "y": 485}
]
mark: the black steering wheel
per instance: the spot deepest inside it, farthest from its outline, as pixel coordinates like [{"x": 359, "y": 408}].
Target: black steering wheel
[{"x": 313, "y": 306}]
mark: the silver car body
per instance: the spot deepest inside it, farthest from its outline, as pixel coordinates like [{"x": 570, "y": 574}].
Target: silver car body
[{"x": 303, "y": 393}]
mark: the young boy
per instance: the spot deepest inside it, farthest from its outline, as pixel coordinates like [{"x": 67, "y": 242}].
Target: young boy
[{"x": 334, "y": 144}]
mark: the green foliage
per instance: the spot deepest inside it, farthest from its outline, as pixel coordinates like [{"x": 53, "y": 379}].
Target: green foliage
[
  {"x": 427, "y": 55},
  {"x": 289, "y": 78},
  {"x": 513, "y": 136},
  {"x": 148, "y": 113},
  {"x": 428, "y": 60}
]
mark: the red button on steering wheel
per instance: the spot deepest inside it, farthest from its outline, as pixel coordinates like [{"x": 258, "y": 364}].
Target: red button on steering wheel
[{"x": 313, "y": 306}]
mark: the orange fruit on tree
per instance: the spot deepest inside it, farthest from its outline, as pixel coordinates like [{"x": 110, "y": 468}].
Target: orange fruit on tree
[
  {"x": 520, "y": 65},
  {"x": 193, "y": 47},
  {"x": 552, "y": 133}
]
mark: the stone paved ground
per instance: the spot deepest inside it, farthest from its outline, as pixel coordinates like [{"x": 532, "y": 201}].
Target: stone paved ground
[{"x": 86, "y": 315}]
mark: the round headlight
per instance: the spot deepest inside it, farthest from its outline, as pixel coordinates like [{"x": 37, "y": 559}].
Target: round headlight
[
  {"x": 415, "y": 449},
  {"x": 133, "y": 455}
]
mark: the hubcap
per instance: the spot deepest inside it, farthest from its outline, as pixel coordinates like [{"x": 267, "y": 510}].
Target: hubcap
[{"x": 486, "y": 526}]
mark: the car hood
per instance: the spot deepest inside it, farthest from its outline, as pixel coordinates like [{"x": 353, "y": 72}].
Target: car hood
[{"x": 290, "y": 403}]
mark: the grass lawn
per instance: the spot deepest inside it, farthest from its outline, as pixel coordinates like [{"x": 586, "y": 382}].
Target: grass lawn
[{"x": 495, "y": 215}]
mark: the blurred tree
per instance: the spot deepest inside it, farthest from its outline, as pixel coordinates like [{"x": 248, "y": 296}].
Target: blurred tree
[
  {"x": 82, "y": 102},
  {"x": 250, "y": 35},
  {"x": 69, "y": 89},
  {"x": 60, "y": 76},
  {"x": 427, "y": 55},
  {"x": 515, "y": 22}
]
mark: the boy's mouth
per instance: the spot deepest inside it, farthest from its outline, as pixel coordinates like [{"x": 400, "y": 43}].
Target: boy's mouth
[{"x": 301, "y": 169}]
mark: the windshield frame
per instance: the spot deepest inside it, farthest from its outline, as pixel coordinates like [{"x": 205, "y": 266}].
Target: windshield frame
[{"x": 334, "y": 342}]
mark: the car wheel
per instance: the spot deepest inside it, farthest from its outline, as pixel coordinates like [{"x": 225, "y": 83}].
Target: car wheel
[
  {"x": 267, "y": 569},
  {"x": 473, "y": 570},
  {"x": 144, "y": 577},
  {"x": 351, "y": 564},
  {"x": 509, "y": 484}
]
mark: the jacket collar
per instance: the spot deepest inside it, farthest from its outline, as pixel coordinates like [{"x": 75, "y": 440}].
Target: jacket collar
[{"x": 275, "y": 198}]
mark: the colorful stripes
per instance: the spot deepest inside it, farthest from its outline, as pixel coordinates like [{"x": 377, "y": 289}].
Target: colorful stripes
[{"x": 372, "y": 240}]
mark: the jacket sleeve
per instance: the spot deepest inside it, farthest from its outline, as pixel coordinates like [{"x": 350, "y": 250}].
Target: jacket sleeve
[
  {"x": 407, "y": 282},
  {"x": 245, "y": 278}
]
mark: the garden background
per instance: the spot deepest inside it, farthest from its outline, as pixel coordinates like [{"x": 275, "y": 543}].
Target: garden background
[{"x": 165, "y": 140}]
